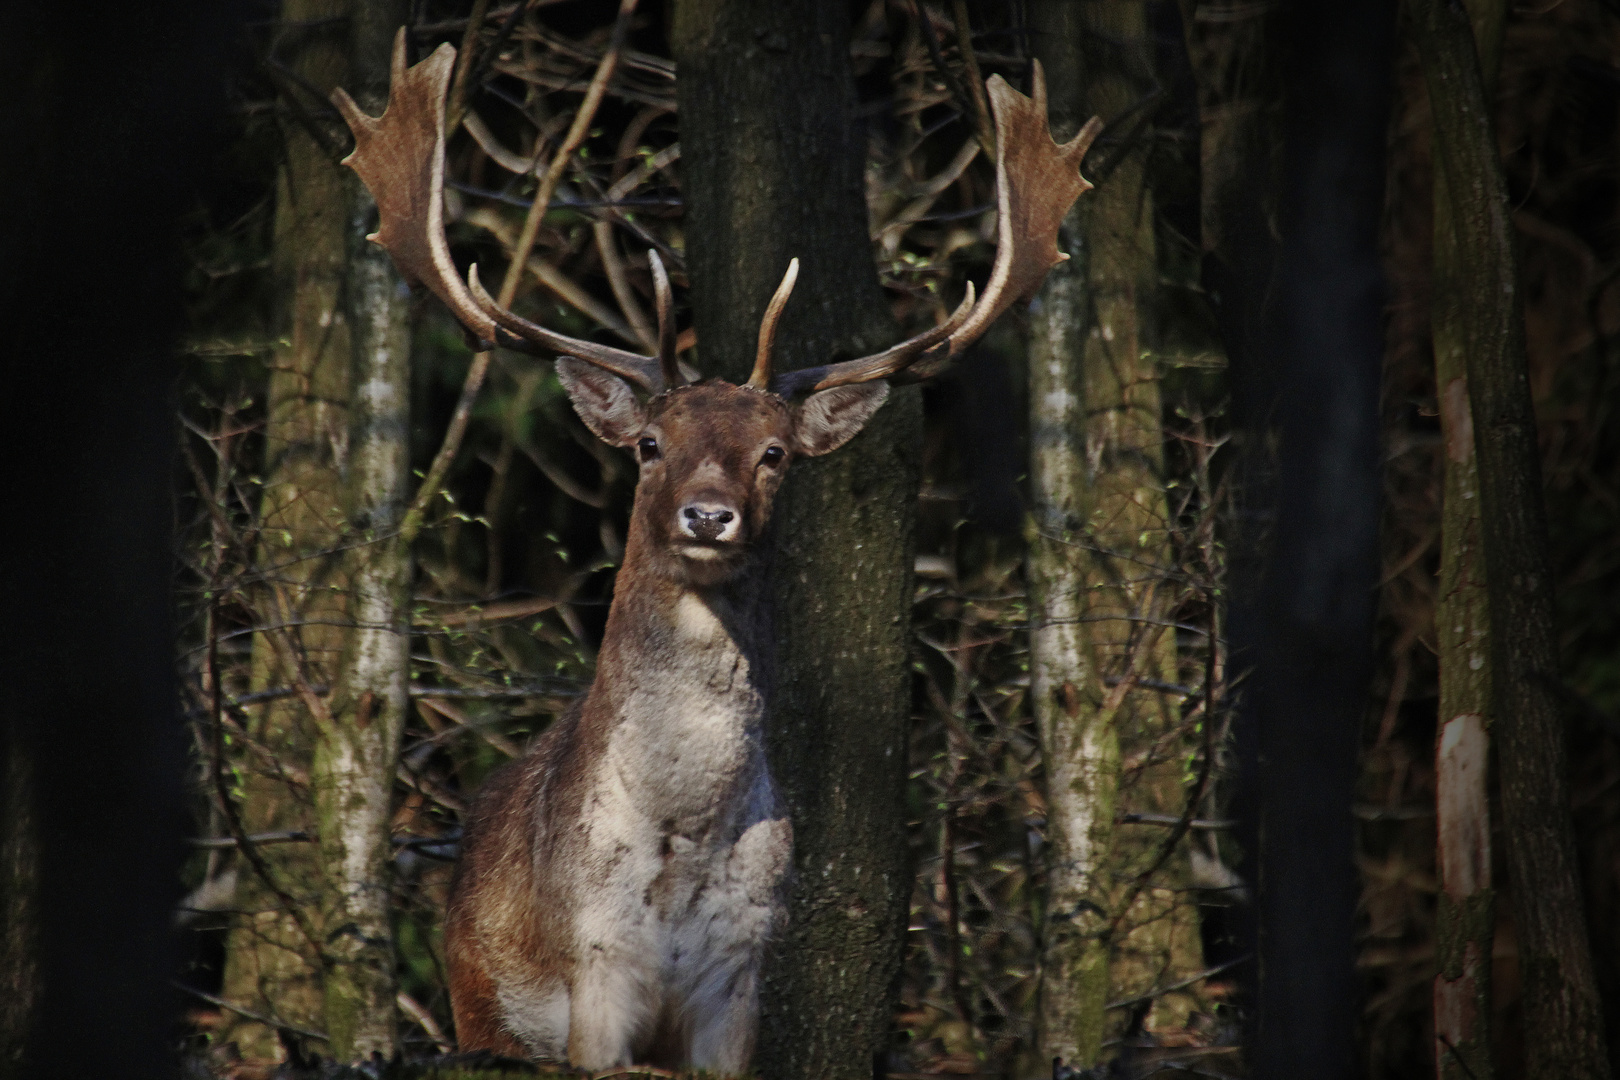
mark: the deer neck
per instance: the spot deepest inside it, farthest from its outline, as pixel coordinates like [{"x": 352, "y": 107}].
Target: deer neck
[{"x": 682, "y": 682}]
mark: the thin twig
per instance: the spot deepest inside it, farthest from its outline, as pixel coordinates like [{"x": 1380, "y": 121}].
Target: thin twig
[
  {"x": 279, "y": 1025},
  {"x": 1180, "y": 985},
  {"x": 457, "y": 106},
  {"x": 982, "y": 126},
  {"x": 424, "y": 1019},
  {"x": 462, "y": 720},
  {"x": 417, "y": 514}
]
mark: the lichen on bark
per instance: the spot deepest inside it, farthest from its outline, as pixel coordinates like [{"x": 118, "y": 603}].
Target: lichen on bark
[{"x": 1098, "y": 539}]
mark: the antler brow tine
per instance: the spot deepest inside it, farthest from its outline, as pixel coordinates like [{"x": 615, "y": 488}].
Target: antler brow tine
[
  {"x": 666, "y": 321},
  {"x": 761, "y": 378}
]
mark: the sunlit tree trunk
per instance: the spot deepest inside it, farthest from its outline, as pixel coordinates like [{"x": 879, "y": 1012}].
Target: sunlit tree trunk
[
  {"x": 1465, "y": 918},
  {"x": 334, "y": 473},
  {"x": 352, "y": 776},
  {"x": 1563, "y": 1028},
  {"x": 772, "y": 160},
  {"x": 1098, "y": 554},
  {"x": 271, "y": 967}
]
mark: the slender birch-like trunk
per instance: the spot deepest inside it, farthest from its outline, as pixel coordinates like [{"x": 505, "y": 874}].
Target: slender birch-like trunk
[
  {"x": 352, "y": 775},
  {"x": 1097, "y": 536},
  {"x": 1563, "y": 1027},
  {"x": 1465, "y": 919},
  {"x": 336, "y": 587}
]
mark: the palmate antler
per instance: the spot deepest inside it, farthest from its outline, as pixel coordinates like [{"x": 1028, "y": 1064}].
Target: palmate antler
[
  {"x": 1036, "y": 182},
  {"x": 400, "y": 156}
]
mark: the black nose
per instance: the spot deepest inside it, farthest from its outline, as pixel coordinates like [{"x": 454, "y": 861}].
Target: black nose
[{"x": 705, "y": 523}]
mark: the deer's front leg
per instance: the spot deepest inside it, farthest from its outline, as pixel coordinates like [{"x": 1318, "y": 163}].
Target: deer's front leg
[
  {"x": 727, "y": 1022},
  {"x": 610, "y": 1010}
]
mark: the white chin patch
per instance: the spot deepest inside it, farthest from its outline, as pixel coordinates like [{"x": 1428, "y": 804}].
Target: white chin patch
[{"x": 701, "y": 554}]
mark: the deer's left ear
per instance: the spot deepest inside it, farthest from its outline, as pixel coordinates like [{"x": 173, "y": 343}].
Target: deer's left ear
[{"x": 826, "y": 420}]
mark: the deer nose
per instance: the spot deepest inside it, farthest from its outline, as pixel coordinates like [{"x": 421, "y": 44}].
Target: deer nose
[{"x": 709, "y": 521}]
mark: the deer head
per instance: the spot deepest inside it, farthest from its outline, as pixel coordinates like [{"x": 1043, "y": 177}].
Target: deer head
[{"x": 713, "y": 454}]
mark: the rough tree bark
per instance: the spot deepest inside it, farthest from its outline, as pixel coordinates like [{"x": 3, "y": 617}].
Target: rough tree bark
[
  {"x": 271, "y": 968},
  {"x": 1312, "y": 657},
  {"x": 335, "y": 446},
  {"x": 1096, "y": 532},
  {"x": 352, "y": 775},
  {"x": 773, "y": 163},
  {"x": 1465, "y": 919},
  {"x": 1563, "y": 1027}
]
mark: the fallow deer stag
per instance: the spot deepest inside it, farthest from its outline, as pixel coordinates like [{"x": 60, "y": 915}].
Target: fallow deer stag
[{"x": 618, "y": 884}]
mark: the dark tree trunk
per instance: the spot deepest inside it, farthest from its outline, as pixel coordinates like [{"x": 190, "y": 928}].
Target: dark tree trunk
[
  {"x": 1237, "y": 61},
  {"x": 1563, "y": 1027},
  {"x": 1465, "y": 913},
  {"x": 1312, "y": 655},
  {"x": 773, "y": 162},
  {"x": 105, "y": 134}
]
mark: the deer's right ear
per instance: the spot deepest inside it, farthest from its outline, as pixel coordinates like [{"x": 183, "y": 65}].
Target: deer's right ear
[{"x": 603, "y": 401}]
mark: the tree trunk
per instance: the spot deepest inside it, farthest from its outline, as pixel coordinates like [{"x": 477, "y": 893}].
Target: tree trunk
[
  {"x": 1233, "y": 48},
  {"x": 352, "y": 778},
  {"x": 1307, "y": 694},
  {"x": 1096, "y": 533},
  {"x": 1465, "y": 918},
  {"x": 773, "y": 162},
  {"x": 271, "y": 968},
  {"x": 334, "y": 462},
  {"x": 1563, "y": 1020}
]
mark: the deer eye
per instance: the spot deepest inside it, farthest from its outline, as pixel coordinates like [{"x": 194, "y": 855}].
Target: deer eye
[
  {"x": 647, "y": 447},
  {"x": 773, "y": 456}
]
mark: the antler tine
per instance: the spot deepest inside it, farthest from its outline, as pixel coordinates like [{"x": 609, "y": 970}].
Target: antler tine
[
  {"x": 761, "y": 377},
  {"x": 1036, "y": 182},
  {"x": 514, "y": 331},
  {"x": 400, "y": 157},
  {"x": 881, "y": 365},
  {"x": 666, "y": 322}
]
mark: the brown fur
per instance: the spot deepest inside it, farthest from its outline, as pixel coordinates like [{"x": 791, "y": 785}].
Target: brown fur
[{"x": 619, "y": 882}]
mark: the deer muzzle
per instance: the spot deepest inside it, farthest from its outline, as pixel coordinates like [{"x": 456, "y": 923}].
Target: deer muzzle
[{"x": 710, "y": 522}]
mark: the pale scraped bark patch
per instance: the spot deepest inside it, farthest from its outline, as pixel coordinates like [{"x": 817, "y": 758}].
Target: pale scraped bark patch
[
  {"x": 1458, "y": 421},
  {"x": 1464, "y": 816}
]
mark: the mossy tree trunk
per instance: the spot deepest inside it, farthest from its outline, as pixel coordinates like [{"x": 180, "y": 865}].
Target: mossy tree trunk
[
  {"x": 1098, "y": 548},
  {"x": 1563, "y": 1027},
  {"x": 773, "y": 161},
  {"x": 1465, "y": 919},
  {"x": 334, "y": 446},
  {"x": 352, "y": 776},
  {"x": 270, "y": 967}
]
